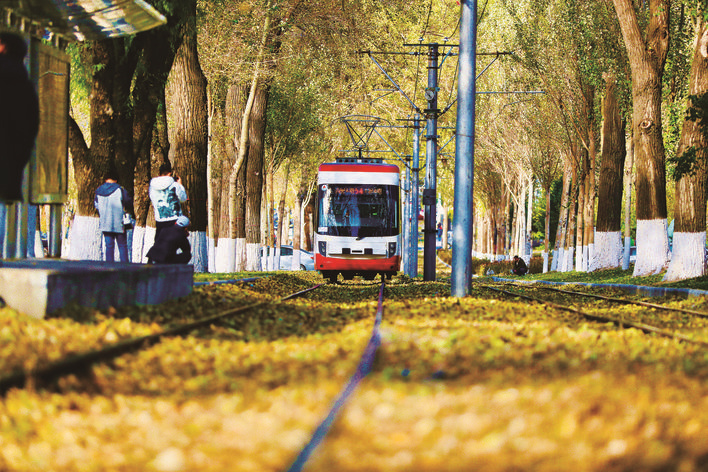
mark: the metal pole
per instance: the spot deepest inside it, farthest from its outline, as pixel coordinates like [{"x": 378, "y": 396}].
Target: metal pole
[
  {"x": 405, "y": 229},
  {"x": 462, "y": 228},
  {"x": 55, "y": 231},
  {"x": 415, "y": 205},
  {"x": 22, "y": 229},
  {"x": 430, "y": 192}
]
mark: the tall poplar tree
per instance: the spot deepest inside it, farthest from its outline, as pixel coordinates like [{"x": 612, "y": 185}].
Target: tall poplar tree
[
  {"x": 647, "y": 50},
  {"x": 689, "y": 239}
]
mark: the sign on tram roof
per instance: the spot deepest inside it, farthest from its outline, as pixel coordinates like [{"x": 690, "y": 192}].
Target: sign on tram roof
[{"x": 88, "y": 19}]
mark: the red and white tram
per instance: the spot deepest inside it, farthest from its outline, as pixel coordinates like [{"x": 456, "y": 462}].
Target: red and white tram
[{"x": 358, "y": 229}]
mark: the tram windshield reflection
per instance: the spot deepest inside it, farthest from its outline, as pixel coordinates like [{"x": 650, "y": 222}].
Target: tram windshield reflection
[{"x": 358, "y": 210}]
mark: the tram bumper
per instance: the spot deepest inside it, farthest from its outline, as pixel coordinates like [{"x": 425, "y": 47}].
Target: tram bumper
[{"x": 357, "y": 264}]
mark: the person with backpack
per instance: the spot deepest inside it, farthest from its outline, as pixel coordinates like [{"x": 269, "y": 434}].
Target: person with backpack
[{"x": 167, "y": 196}]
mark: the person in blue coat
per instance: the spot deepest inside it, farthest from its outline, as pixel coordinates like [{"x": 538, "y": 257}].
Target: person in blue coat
[{"x": 111, "y": 201}]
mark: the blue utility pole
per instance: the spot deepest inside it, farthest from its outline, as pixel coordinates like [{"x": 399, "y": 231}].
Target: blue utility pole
[
  {"x": 406, "y": 191},
  {"x": 462, "y": 227},
  {"x": 431, "y": 151},
  {"x": 415, "y": 204}
]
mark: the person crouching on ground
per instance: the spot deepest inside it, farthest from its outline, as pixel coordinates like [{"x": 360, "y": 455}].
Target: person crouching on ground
[
  {"x": 170, "y": 240},
  {"x": 519, "y": 266},
  {"x": 111, "y": 200}
]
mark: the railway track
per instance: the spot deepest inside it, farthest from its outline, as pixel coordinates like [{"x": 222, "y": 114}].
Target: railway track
[
  {"x": 362, "y": 370},
  {"x": 78, "y": 364},
  {"x": 619, "y": 320}
]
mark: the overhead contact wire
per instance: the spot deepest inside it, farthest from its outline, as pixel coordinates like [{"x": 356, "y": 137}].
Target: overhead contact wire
[{"x": 362, "y": 370}]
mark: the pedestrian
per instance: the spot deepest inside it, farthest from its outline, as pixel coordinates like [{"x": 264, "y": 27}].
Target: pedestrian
[
  {"x": 167, "y": 196},
  {"x": 112, "y": 202},
  {"x": 172, "y": 247},
  {"x": 19, "y": 115},
  {"x": 519, "y": 267}
]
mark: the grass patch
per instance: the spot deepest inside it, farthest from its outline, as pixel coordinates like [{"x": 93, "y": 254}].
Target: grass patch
[{"x": 483, "y": 267}]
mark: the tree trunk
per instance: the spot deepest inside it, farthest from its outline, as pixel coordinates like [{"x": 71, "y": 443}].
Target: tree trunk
[
  {"x": 529, "y": 222},
  {"x": 149, "y": 118},
  {"x": 242, "y": 146},
  {"x": 647, "y": 61},
  {"x": 563, "y": 217},
  {"x": 572, "y": 221},
  {"x": 628, "y": 177},
  {"x": 240, "y": 224},
  {"x": 190, "y": 142},
  {"x": 547, "y": 229},
  {"x": 233, "y": 117},
  {"x": 588, "y": 208},
  {"x": 608, "y": 249},
  {"x": 254, "y": 178},
  {"x": 297, "y": 223},
  {"x": 90, "y": 164},
  {"x": 579, "y": 222},
  {"x": 689, "y": 242}
]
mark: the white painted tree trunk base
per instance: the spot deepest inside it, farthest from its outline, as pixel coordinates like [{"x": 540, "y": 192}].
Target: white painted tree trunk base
[
  {"x": 688, "y": 258},
  {"x": 253, "y": 257},
  {"x": 139, "y": 245},
  {"x": 568, "y": 260},
  {"x": 607, "y": 253},
  {"x": 652, "y": 247},
  {"x": 225, "y": 256},
  {"x": 211, "y": 247},
  {"x": 554, "y": 261},
  {"x": 85, "y": 239},
  {"x": 200, "y": 253},
  {"x": 240, "y": 256},
  {"x": 545, "y": 261}
]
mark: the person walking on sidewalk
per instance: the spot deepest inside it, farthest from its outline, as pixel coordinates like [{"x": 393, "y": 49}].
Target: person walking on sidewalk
[{"x": 112, "y": 201}]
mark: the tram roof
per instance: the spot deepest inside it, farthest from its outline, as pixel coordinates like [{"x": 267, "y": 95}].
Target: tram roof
[
  {"x": 87, "y": 19},
  {"x": 343, "y": 167}
]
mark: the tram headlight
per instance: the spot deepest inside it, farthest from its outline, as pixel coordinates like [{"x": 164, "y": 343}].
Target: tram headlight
[
  {"x": 322, "y": 247},
  {"x": 391, "y": 249}
]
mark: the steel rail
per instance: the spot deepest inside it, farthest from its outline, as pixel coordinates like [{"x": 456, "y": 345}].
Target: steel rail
[
  {"x": 79, "y": 363},
  {"x": 363, "y": 369},
  {"x": 631, "y": 302},
  {"x": 605, "y": 319}
]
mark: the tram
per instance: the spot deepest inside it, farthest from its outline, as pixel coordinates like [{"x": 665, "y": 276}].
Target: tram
[{"x": 358, "y": 229}]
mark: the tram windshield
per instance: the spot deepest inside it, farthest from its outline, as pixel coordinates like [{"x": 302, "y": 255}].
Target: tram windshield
[{"x": 358, "y": 210}]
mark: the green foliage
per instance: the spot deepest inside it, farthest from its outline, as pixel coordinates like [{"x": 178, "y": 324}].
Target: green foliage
[{"x": 687, "y": 162}]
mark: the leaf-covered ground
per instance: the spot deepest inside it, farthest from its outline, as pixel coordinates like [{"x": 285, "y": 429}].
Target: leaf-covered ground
[{"x": 488, "y": 382}]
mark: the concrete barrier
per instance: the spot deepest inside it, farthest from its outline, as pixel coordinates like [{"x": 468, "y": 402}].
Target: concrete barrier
[{"x": 39, "y": 287}]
